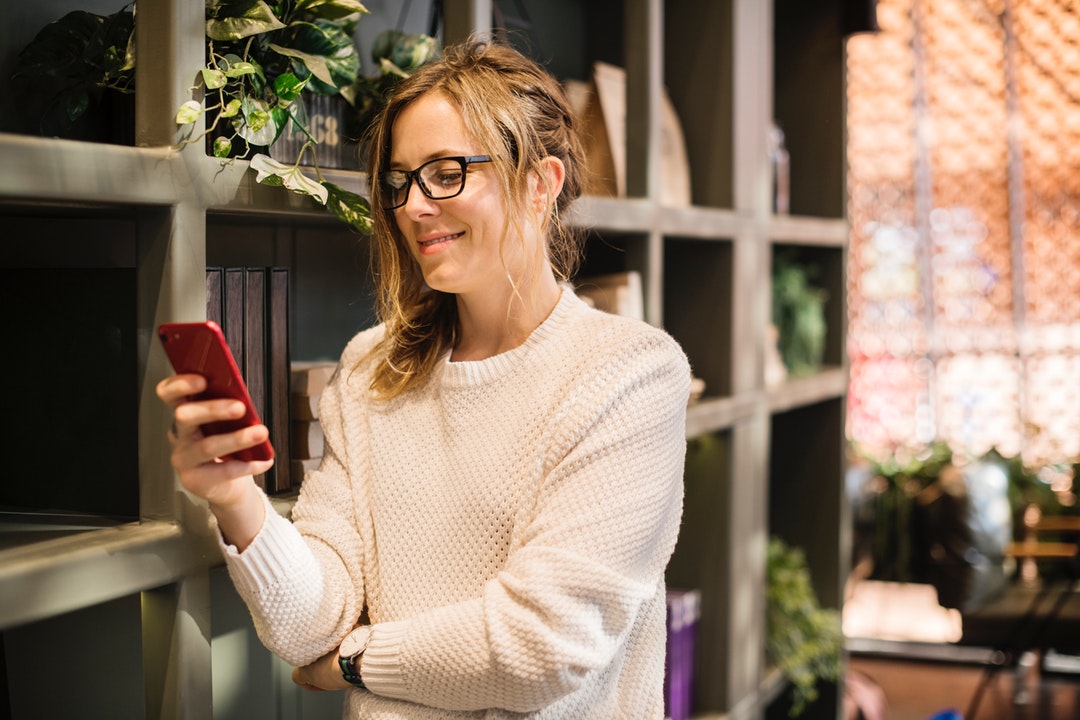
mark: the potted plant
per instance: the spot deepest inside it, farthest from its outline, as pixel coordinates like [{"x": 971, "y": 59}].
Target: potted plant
[
  {"x": 262, "y": 56},
  {"x": 75, "y": 79}
]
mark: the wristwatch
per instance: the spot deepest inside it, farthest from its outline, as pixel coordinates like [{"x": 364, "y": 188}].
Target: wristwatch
[{"x": 349, "y": 652}]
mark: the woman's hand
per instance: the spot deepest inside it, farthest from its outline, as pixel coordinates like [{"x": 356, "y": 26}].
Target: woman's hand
[
  {"x": 227, "y": 485},
  {"x": 323, "y": 674}
]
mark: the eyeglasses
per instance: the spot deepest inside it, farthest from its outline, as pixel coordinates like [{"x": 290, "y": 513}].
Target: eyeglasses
[{"x": 439, "y": 179}]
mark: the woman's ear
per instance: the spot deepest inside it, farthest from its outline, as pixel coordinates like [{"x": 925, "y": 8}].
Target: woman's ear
[{"x": 549, "y": 185}]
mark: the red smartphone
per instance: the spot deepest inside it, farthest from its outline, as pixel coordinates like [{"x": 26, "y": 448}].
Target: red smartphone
[{"x": 200, "y": 348}]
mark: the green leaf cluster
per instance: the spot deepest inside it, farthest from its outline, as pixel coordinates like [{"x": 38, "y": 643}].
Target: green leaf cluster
[
  {"x": 397, "y": 55},
  {"x": 804, "y": 640},
  {"x": 798, "y": 312},
  {"x": 71, "y": 63},
  {"x": 261, "y": 56}
]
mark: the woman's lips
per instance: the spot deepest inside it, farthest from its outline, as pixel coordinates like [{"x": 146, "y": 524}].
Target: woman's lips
[{"x": 438, "y": 240}]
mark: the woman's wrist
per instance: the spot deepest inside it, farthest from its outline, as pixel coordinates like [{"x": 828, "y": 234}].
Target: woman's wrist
[{"x": 241, "y": 520}]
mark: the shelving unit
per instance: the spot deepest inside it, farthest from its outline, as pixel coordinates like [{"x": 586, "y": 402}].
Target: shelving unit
[{"x": 761, "y": 460}]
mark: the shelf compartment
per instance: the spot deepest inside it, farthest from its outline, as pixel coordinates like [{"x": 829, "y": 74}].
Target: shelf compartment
[
  {"x": 699, "y": 73},
  {"x": 102, "y": 647},
  {"x": 701, "y": 561},
  {"x": 806, "y": 478},
  {"x": 808, "y": 102},
  {"x": 51, "y": 577},
  {"x": 825, "y": 267},
  {"x": 698, "y": 307}
]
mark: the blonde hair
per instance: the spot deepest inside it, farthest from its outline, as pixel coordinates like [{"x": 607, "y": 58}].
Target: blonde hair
[{"x": 519, "y": 115}]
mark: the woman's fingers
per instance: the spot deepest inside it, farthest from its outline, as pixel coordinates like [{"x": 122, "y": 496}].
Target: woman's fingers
[
  {"x": 175, "y": 389},
  {"x": 193, "y": 448}
]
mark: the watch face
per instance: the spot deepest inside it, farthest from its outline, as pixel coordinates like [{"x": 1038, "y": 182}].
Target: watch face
[{"x": 355, "y": 642}]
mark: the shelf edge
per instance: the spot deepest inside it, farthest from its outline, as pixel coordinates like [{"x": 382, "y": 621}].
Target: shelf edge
[
  {"x": 53, "y": 577},
  {"x": 69, "y": 171},
  {"x": 801, "y": 230},
  {"x": 829, "y": 384}
]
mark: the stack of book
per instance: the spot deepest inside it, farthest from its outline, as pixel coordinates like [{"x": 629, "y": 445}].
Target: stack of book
[
  {"x": 252, "y": 307},
  {"x": 683, "y": 610},
  {"x": 308, "y": 381}
]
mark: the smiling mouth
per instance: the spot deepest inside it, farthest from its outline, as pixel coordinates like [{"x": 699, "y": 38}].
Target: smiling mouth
[{"x": 442, "y": 239}]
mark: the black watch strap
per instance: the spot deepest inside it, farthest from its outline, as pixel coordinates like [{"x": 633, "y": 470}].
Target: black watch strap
[{"x": 349, "y": 671}]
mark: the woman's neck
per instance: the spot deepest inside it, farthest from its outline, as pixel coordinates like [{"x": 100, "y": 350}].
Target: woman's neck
[{"x": 487, "y": 328}]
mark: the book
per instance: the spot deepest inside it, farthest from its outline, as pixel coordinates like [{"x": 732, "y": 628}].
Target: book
[
  {"x": 683, "y": 611},
  {"x": 215, "y": 282},
  {"x": 254, "y": 365},
  {"x": 278, "y": 371},
  {"x": 617, "y": 293},
  {"x": 305, "y": 407},
  {"x": 301, "y": 467},
  {"x": 232, "y": 312},
  {"x": 308, "y": 441},
  {"x": 310, "y": 377}
]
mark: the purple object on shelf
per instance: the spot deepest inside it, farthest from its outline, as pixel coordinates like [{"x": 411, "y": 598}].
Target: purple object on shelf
[{"x": 682, "y": 615}]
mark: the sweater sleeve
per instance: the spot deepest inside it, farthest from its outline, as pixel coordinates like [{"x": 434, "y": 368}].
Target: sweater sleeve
[
  {"x": 302, "y": 580},
  {"x": 585, "y": 561}
]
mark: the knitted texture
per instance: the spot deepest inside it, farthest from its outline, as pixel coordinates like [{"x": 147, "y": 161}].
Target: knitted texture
[{"x": 506, "y": 526}]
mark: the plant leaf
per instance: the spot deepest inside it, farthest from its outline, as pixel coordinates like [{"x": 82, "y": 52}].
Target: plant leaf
[
  {"x": 231, "y": 108},
  {"x": 241, "y": 67},
  {"x": 255, "y": 124},
  {"x": 222, "y": 147},
  {"x": 321, "y": 49},
  {"x": 288, "y": 175},
  {"x": 249, "y": 18},
  {"x": 288, "y": 87},
  {"x": 189, "y": 112},
  {"x": 349, "y": 207},
  {"x": 213, "y": 78},
  {"x": 331, "y": 9}
]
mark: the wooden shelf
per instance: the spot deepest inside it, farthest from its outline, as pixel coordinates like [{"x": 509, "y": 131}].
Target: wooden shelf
[
  {"x": 50, "y": 577},
  {"x": 829, "y": 384},
  {"x": 792, "y": 230},
  {"x": 710, "y": 415}
]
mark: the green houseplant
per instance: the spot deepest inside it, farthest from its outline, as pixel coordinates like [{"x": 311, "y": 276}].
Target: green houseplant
[
  {"x": 74, "y": 74},
  {"x": 262, "y": 56},
  {"x": 802, "y": 639}
]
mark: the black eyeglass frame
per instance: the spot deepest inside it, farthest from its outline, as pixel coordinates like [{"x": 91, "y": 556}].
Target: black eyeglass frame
[{"x": 410, "y": 175}]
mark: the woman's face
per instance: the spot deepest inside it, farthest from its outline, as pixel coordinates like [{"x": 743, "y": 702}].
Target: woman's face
[{"x": 457, "y": 240}]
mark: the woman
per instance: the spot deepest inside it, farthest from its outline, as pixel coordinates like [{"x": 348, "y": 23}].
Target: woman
[{"x": 502, "y": 485}]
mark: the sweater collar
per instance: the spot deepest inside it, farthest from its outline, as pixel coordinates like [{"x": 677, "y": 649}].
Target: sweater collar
[{"x": 478, "y": 372}]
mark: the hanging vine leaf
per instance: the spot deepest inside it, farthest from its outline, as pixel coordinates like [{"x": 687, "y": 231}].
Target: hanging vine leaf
[
  {"x": 236, "y": 19},
  {"x": 349, "y": 207},
  {"x": 271, "y": 172}
]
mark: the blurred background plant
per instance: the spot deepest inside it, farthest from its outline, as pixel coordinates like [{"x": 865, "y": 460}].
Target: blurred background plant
[
  {"x": 803, "y": 639},
  {"x": 798, "y": 313}
]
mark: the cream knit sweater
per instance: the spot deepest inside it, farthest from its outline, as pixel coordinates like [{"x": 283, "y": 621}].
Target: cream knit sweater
[{"x": 506, "y": 526}]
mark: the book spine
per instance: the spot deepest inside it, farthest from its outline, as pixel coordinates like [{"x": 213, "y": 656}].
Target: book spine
[
  {"x": 278, "y": 369},
  {"x": 308, "y": 441},
  {"x": 215, "y": 287},
  {"x": 254, "y": 366},
  {"x": 233, "y": 313}
]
